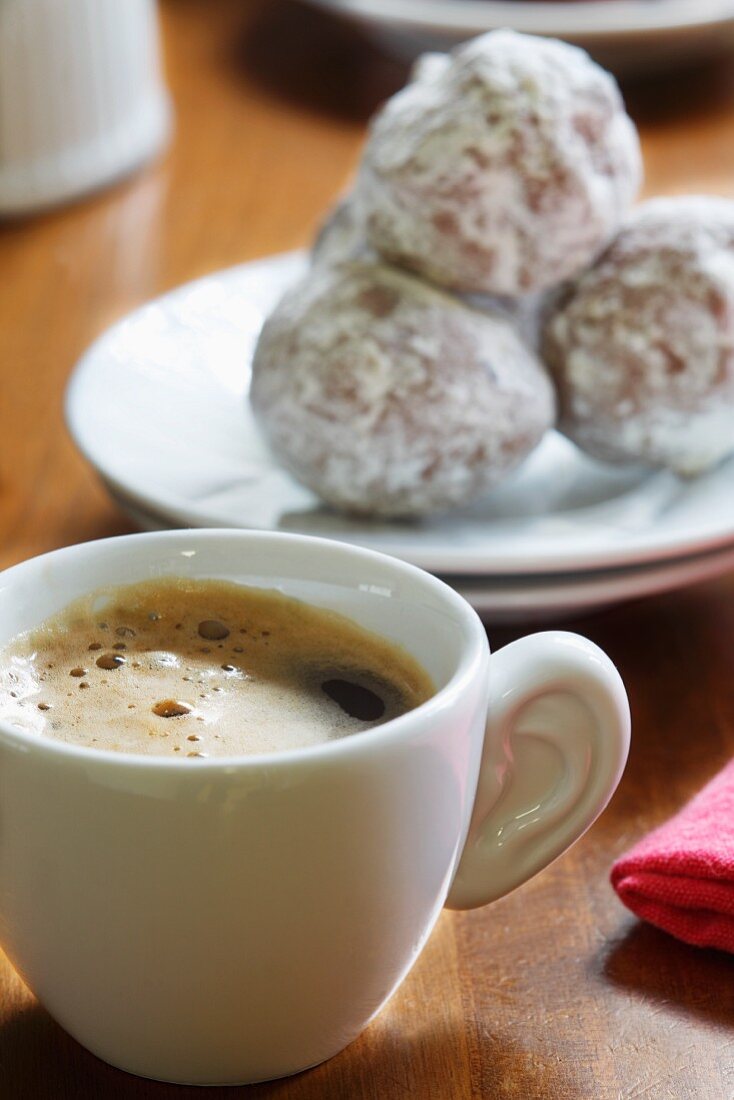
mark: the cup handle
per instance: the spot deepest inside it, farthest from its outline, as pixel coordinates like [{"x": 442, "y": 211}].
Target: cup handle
[{"x": 554, "y": 751}]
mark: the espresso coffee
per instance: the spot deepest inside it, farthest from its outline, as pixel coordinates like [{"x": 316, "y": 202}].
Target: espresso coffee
[{"x": 173, "y": 667}]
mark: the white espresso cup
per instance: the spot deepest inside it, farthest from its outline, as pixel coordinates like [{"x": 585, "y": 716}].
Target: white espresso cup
[{"x": 235, "y": 919}]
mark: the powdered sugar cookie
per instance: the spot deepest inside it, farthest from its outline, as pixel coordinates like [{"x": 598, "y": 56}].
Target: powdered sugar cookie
[
  {"x": 504, "y": 171},
  {"x": 388, "y": 397},
  {"x": 642, "y": 348}
]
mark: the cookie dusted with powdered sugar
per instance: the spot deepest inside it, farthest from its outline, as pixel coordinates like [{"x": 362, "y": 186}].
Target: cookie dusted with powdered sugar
[
  {"x": 642, "y": 348},
  {"x": 504, "y": 171},
  {"x": 388, "y": 397}
]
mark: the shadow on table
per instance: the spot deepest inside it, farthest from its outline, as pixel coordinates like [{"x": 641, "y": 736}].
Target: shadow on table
[
  {"x": 39, "y": 1060},
  {"x": 93, "y": 527},
  {"x": 686, "y": 92},
  {"x": 316, "y": 60},
  {"x": 327, "y": 64},
  {"x": 661, "y": 969},
  {"x": 72, "y": 529}
]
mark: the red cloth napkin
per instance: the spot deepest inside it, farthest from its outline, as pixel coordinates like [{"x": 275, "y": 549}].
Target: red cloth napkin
[{"x": 681, "y": 876}]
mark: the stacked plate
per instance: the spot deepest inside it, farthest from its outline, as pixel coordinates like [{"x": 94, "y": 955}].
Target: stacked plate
[{"x": 158, "y": 406}]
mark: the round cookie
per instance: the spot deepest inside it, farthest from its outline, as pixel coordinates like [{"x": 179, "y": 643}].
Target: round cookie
[
  {"x": 388, "y": 397},
  {"x": 505, "y": 172},
  {"x": 642, "y": 348}
]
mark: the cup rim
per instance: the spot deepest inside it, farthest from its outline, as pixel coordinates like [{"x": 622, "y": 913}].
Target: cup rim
[{"x": 473, "y": 652}]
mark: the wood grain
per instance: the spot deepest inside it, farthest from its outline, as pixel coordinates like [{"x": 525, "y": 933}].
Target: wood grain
[{"x": 555, "y": 992}]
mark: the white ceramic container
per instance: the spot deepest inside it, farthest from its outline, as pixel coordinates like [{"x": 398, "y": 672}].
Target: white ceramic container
[
  {"x": 82, "y": 100},
  {"x": 234, "y": 919}
]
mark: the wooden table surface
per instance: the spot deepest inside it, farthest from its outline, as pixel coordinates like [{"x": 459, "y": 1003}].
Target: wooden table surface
[{"x": 555, "y": 991}]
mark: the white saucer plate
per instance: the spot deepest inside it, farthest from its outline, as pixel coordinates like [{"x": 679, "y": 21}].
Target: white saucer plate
[
  {"x": 510, "y": 600},
  {"x": 625, "y": 35},
  {"x": 158, "y": 406},
  {"x": 543, "y": 599}
]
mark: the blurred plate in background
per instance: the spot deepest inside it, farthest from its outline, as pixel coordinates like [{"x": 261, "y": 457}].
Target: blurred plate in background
[{"x": 627, "y": 36}]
